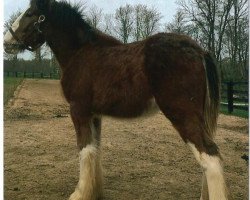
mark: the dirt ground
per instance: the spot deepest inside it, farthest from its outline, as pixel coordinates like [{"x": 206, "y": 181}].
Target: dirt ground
[{"x": 142, "y": 158}]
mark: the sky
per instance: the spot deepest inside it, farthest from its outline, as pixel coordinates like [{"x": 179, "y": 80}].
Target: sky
[{"x": 166, "y": 7}]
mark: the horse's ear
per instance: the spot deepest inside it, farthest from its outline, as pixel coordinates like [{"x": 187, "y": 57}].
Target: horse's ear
[{"x": 43, "y": 5}]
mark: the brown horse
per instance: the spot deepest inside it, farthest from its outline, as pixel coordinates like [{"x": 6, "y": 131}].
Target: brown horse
[{"x": 102, "y": 76}]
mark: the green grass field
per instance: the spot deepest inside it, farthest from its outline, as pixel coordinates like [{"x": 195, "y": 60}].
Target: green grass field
[
  {"x": 10, "y": 85},
  {"x": 236, "y": 112}
]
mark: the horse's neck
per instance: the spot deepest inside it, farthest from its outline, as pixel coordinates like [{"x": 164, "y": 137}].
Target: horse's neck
[
  {"x": 107, "y": 40},
  {"x": 62, "y": 47}
]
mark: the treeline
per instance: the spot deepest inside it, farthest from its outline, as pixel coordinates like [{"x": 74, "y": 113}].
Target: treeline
[
  {"x": 128, "y": 23},
  {"x": 220, "y": 27},
  {"x": 21, "y": 65}
]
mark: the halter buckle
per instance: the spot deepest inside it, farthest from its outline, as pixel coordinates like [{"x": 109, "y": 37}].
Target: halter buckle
[{"x": 41, "y": 19}]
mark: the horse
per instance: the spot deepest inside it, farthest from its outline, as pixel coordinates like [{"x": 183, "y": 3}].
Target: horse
[{"x": 101, "y": 76}]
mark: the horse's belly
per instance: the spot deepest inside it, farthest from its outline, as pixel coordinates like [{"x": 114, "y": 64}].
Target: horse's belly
[
  {"x": 151, "y": 108},
  {"x": 130, "y": 110}
]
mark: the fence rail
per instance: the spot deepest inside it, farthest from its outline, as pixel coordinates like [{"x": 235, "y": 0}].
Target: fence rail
[
  {"x": 234, "y": 95},
  {"x": 43, "y": 75}
]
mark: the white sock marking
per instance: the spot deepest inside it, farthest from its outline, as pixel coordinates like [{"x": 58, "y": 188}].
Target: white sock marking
[
  {"x": 214, "y": 174},
  {"x": 90, "y": 178}
]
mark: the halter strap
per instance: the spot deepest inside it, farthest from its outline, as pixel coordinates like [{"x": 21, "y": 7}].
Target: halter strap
[
  {"x": 38, "y": 23},
  {"x": 19, "y": 41},
  {"x": 14, "y": 35},
  {"x": 37, "y": 28}
]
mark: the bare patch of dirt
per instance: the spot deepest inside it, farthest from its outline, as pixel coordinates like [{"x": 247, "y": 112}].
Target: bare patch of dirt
[{"x": 142, "y": 158}]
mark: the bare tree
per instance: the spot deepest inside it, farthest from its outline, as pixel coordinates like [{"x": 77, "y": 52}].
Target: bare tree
[
  {"x": 151, "y": 22},
  {"x": 138, "y": 18},
  {"x": 147, "y": 21},
  {"x": 108, "y": 24},
  {"x": 38, "y": 55},
  {"x": 236, "y": 37},
  {"x": 124, "y": 22},
  {"x": 178, "y": 25},
  {"x": 211, "y": 17},
  {"x": 182, "y": 25},
  {"x": 222, "y": 28},
  {"x": 94, "y": 16}
]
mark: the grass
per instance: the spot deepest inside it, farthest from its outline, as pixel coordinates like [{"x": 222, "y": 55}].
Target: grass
[
  {"x": 10, "y": 85},
  {"x": 236, "y": 112}
]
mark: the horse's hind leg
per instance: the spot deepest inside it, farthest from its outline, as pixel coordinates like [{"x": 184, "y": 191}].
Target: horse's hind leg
[
  {"x": 207, "y": 154},
  {"x": 204, "y": 190},
  {"x": 213, "y": 187},
  {"x": 188, "y": 119},
  {"x": 88, "y": 131}
]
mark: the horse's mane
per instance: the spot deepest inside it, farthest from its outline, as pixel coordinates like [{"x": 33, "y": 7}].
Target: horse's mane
[{"x": 69, "y": 18}]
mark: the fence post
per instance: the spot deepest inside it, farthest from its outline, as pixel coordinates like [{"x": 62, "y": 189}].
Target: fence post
[
  {"x": 16, "y": 74},
  {"x": 230, "y": 96}
]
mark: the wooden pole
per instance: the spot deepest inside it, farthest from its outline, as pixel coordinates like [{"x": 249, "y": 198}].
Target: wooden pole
[{"x": 230, "y": 96}]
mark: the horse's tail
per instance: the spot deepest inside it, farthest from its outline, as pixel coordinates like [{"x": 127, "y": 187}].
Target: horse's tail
[{"x": 212, "y": 101}]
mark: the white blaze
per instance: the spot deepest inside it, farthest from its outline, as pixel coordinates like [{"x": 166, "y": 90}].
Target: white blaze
[{"x": 8, "y": 38}]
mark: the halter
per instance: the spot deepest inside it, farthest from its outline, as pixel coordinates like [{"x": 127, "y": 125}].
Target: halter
[{"x": 36, "y": 27}]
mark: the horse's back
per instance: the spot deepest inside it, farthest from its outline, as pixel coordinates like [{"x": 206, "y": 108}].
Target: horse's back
[{"x": 167, "y": 50}]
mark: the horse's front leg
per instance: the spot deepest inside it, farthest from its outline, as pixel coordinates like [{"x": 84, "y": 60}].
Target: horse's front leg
[{"x": 88, "y": 130}]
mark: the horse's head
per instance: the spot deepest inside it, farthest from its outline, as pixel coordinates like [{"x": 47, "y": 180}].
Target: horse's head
[{"x": 27, "y": 30}]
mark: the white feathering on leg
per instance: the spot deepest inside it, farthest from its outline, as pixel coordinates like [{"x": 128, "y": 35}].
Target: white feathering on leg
[
  {"x": 88, "y": 187},
  {"x": 214, "y": 173}
]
